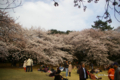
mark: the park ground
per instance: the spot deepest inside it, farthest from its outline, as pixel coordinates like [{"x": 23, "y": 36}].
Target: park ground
[{"x": 20, "y": 74}]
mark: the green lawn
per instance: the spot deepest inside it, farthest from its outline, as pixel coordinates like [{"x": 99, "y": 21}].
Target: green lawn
[{"x": 19, "y": 74}]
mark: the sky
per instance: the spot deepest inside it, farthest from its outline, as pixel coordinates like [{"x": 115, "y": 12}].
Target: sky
[{"x": 43, "y": 14}]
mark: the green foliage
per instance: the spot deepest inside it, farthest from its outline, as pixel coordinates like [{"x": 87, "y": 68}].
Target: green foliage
[
  {"x": 54, "y": 31},
  {"x": 102, "y": 25}
]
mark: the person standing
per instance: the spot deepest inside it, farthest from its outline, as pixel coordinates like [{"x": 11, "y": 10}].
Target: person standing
[
  {"x": 24, "y": 64},
  {"x": 70, "y": 68},
  {"x": 78, "y": 68},
  {"x": 117, "y": 71},
  {"x": 111, "y": 72},
  {"x": 29, "y": 65},
  {"x": 66, "y": 68},
  {"x": 91, "y": 65},
  {"x": 105, "y": 67},
  {"x": 82, "y": 72}
]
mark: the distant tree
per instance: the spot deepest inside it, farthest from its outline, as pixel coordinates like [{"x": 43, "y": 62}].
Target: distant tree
[
  {"x": 54, "y": 31},
  {"x": 102, "y": 25},
  {"x": 68, "y": 31}
]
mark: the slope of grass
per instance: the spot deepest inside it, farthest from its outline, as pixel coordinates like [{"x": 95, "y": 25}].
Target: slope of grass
[{"x": 19, "y": 74}]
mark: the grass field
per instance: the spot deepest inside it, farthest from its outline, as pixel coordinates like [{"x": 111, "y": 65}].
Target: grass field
[{"x": 19, "y": 74}]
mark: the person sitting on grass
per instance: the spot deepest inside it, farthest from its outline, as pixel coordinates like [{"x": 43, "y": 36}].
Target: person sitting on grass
[
  {"x": 61, "y": 68},
  {"x": 52, "y": 73},
  {"x": 41, "y": 68},
  {"x": 97, "y": 70},
  {"x": 92, "y": 71},
  {"x": 93, "y": 77},
  {"x": 45, "y": 69},
  {"x": 52, "y": 69},
  {"x": 58, "y": 76}
]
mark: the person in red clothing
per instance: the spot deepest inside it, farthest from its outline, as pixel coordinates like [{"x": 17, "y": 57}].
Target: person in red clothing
[{"x": 111, "y": 72}]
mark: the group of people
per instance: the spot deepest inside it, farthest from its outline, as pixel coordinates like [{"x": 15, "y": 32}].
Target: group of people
[
  {"x": 113, "y": 71},
  {"x": 68, "y": 68},
  {"x": 56, "y": 73},
  {"x": 27, "y": 65},
  {"x": 43, "y": 68},
  {"x": 97, "y": 70}
]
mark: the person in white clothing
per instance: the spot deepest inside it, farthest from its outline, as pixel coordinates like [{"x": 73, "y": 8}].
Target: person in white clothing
[
  {"x": 24, "y": 64},
  {"x": 70, "y": 68},
  {"x": 29, "y": 65}
]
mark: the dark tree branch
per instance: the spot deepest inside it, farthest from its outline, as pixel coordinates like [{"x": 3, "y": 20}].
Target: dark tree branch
[
  {"x": 115, "y": 14},
  {"x": 9, "y": 4},
  {"x": 106, "y": 14}
]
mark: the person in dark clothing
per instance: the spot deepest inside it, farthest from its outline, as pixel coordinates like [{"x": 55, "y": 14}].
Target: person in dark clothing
[
  {"x": 66, "y": 68},
  {"x": 78, "y": 68},
  {"x": 57, "y": 75},
  {"x": 83, "y": 72},
  {"x": 48, "y": 67},
  {"x": 41, "y": 67},
  {"x": 92, "y": 71},
  {"x": 52, "y": 69},
  {"x": 117, "y": 71},
  {"x": 52, "y": 74},
  {"x": 45, "y": 69},
  {"x": 91, "y": 65}
]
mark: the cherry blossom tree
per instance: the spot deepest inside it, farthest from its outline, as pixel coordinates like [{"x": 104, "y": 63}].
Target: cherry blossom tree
[
  {"x": 89, "y": 45},
  {"x": 94, "y": 45}
]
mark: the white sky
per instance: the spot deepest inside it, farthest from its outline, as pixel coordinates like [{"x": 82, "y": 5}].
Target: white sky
[{"x": 42, "y": 13}]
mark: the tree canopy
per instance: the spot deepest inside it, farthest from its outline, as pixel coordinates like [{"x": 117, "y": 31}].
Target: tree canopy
[
  {"x": 101, "y": 25},
  {"x": 89, "y": 45}
]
